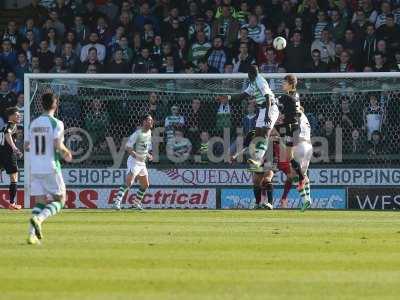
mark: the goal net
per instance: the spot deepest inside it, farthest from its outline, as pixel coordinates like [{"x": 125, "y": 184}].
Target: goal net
[{"x": 353, "y": 116}]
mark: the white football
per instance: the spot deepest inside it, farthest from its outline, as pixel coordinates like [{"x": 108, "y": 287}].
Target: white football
[{"x": 279, "y": 43}]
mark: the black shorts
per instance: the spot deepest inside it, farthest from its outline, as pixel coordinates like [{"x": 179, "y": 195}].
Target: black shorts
[
  {"x": 8, "y": 162},
  {"x": 286, "y": 131}
]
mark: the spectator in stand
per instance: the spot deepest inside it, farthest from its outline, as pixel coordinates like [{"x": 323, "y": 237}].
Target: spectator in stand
[
  {"x": 103, "y": 31},
  {"x": 359, "y": 24},
  {"x": 97, "y": 122},
  {"x": 380, "y": 63},
  {"x": 386, "y": 9},
  {"x": 373, "y": 116},
  {"x": 203, "y": 146},
  {"x": 228, "y": 68},
  {"x": 173, "y": 30},
  {"x": 242, "y": 62},
  {"x": 172, "y": 123},
  {"x": 226, "y": 27},
  {"x": 70, "y": 59},
  {"x": 109, "y": 9},
  {"x": 205, "y": 68},
  {"x": 325, "y": 47},
  {"x": 369, "y": 10},
  {"x": 297, "y": 54},
  {"x": 155, "y": 110},
  {"x": 127, "y": 51},
  {"x": 338, "y": 25},
  {"x": 143, "y": 63},
  {"x": 93, "y": 43},
  {"x": 11, "y": 33},
  {"x": 118, "y": 64},
  {"x": 179, "y": 148},
  {"x": 169, "y": 65},
  {"x": 14, "y": 84},
  {"x": 256, "y": 31},
  {"x": 182, "y": 50},
  {"x": 343, "y": 65},
  {"x": 52, "y": 41},
  {"x": 382, "y": 48},
  {"x": 317, "y": 65},
  {"x": 80, "y": 29},
  {"x": 270, "y": 65},
  {"x": 199, "y": 48},
  {"x": 199, "y": 26},
  {"x": 249, "y": 120},
  {"x": 368, "y": 45},
  {"x": 218, "y": 55},
  {"x": 194, "y": 119},
  {"x": 145, "y": 17},
  {"x": 244, "y": 38},
  {"x": 7, "y": 99},
  {"x": 46, "y": 57},
  {"x": 64, "y": 11},
  {"x": 22, "y": 67},
  {"x": 70, "y": 37},
  {"x": 8, "y": 55},
  {"x": 321, "y": 24},
  {"x": 353, "y": 47},
  {"x": 56, "y": 23},
  {"x": 92, "y": 60},
  {"x": 301, "y": 26},
  {"x": 35, "y": 64},
  {"x": 357, "y": 144},
  {"x": 58, "y": 65},
  {"x": 375, "y": 146},
  {"x": 37, "y": 11},
  {"x": 390, "y": 33}
]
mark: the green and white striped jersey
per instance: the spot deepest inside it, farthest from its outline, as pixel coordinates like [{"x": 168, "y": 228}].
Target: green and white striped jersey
[
  {"x": 140, "y": 142},
  {"x": 258, "y": 89}
]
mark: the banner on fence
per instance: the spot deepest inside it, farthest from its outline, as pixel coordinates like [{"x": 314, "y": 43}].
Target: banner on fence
[
  {"x": 221, "y": 177},
  {"x": 375, "y": 198},
  {"x": 154, "y": 198},
  {"x": 322, "y": 198}
]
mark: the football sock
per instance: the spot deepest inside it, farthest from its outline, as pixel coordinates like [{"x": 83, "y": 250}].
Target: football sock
[
  {"x": 307, "y": 190},
  {"x": 121, "y": 193},
  {"x": 257, "y": 194},
  {"x": 286, "y": 188},
  {"x": 50, "y": 209},
  {"x": 13, "y": 191},
  {"x": 296, "y": 166},
  {"x": 303, "y": 194},
  {"x": 269, "y": 188},
  {"x": 140, "y": 194},
  {"x": 36, "y": 210}
]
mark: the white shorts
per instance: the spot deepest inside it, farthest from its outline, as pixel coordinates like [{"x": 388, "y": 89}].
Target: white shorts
[
  {"x": 44, "y": 184},
  {"x": 137, "y": 167},
  {"x": 302, "y": 153},
  {"x": 273, "y": 115}
]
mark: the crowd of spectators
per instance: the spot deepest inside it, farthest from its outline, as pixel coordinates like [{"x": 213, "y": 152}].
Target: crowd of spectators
[{"x": 205, "y": 36}]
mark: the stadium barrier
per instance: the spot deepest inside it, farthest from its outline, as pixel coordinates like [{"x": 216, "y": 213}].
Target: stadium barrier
[{"x": 225, "y": 189}]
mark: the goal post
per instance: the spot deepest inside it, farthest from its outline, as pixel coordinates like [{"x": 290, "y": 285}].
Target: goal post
[{"x": 346, "y": 111}]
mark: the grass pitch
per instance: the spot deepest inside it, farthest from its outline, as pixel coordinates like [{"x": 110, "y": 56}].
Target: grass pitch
[{"x": 202, "y": 255}]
